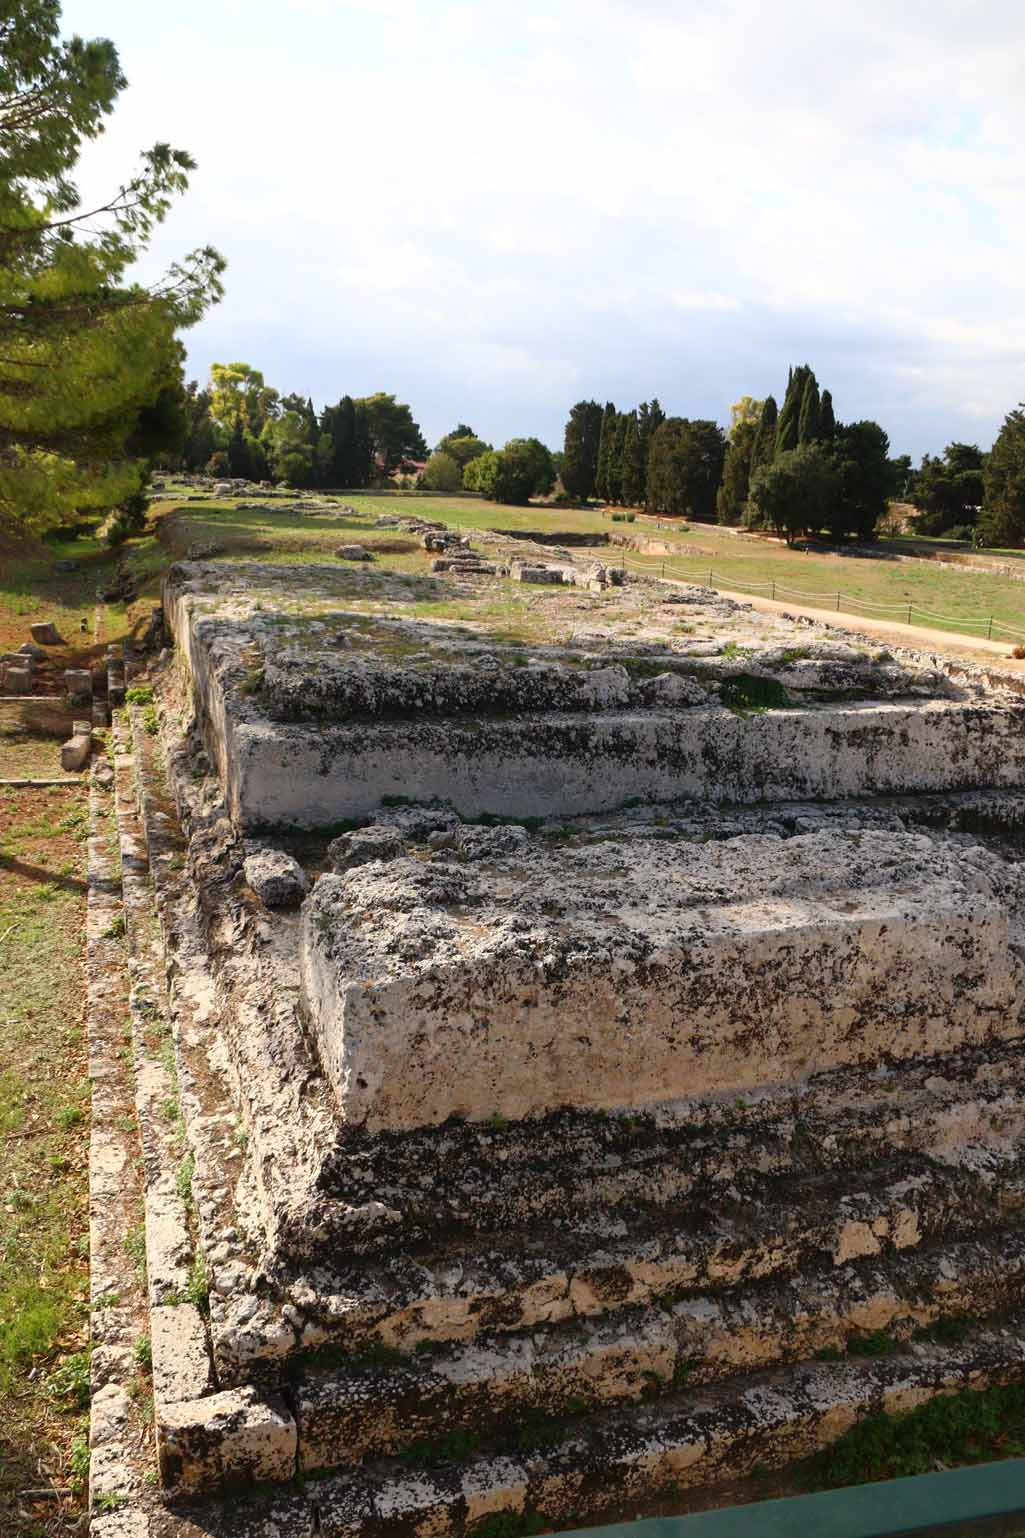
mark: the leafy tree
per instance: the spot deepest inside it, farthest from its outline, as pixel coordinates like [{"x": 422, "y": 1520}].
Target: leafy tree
[
  {"x": 904, "y": 477},
  {"x": 746, "y": 410},
  {"x": 442, "y": 472},
  {"x": 393, "y": 433},
  {"x": 288, "y": 449},
  {"x": 685, "y": 467},
  {"x": 82, "y": 352},
  {"x": 238, "y": 393},
  {"x": 861, "y": 452},
  {"x": 795, "y": 493},
  {"x": 634, "y": 475},
  {"x": 462, "y": 446},
  {"x": 580, "y": 450},
  {"x": 1003, "y": 517},
  {"x": 732, "y": 494},
  {"x": 524, "y": 470},
  {"x": 948, "y": 491},
  {"x": 606, "y": 452},
  {"x": 201, "y": 437},
  {"x": 479, "y": 474}
]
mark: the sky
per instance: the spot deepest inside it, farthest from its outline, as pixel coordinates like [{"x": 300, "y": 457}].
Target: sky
[{"x": 497, "y": 209}]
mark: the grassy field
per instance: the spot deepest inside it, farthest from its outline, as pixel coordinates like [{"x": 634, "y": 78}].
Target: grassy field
[
  {"x": 941, "y": 596},
  {"x": 44, "y": 1105}
]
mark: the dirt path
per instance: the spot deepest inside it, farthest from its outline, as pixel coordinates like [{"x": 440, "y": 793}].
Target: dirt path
[{"x": 946, "y": 643}]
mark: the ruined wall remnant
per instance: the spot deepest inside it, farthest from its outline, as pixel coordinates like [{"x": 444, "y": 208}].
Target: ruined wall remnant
[{"x": 591, "y": 1024}]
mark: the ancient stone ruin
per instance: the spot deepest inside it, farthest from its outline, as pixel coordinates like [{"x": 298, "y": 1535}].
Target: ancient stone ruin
[{"x": 582, "y": 1038}]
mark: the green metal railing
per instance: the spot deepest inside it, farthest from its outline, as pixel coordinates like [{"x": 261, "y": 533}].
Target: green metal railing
[{"x": 985, "y": 1501}]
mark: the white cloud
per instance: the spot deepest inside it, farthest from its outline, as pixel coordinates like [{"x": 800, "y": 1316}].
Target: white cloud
[
  {"x": 671, "y": 196},
  {"x": 695, "y": 299}
]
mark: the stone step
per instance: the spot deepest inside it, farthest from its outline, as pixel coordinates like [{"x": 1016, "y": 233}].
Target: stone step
[
  {"x": 370, "y": 1408},
  {"x": 622, "y": 1463},
  {"x": 514, "y": 981},
  {"x": 515, "y": 1282},
  {"x": 501, "y": 1176}
]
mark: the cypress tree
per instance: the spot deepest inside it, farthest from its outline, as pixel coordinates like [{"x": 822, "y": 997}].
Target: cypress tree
[
  {"x": 633, "y": 462},
  {"x": 808, "y": 422},
  {"x": 827, "y": 421},
  {"x": 789, "y": 418},
  {"x": 763, "y": 450},
  {"x": 606, "y": 451},
  {"x": 616, "y": 456},
  {"x": 580, "y": 449}
]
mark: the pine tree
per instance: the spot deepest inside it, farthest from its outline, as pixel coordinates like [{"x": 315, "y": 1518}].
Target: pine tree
[
  {"x": 827, "y": 421},
  {"x": 808, "y": 422},
  {"x": 580, "y": 450},
  {"x": 633, "y": 462},
  {"x": 606, "y": 452},
  {"x": 1003, "y": 514},
  {"x": 84, "y": 352}
]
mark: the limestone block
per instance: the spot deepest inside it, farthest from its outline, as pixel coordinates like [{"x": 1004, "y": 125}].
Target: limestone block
[
  {"x": 278, "y": 880},
  {"x": 16, "y": 680},
  {"x": 353, "y": 553},
  {"x": 224, "y": 1439},
  {"x": 539, "y": 574},
  {"x": 181, "y": 1360},
  {"x": 32, "y": 652},
  {"x": 45, "y": 634},
  {"x": 79, "y": 684},
  {"x": 75, "y": 752},
  {"x": 521, "y": 985}
]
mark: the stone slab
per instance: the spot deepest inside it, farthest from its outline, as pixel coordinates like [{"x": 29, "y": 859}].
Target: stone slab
[
  {"x": 181, "y": 1357},
  {"x": 602, "y": 977},
  {"x": 235, "y": 1437}
]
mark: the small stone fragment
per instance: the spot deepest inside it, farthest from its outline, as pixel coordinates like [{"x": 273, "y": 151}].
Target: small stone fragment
[{"x": 278, "y": 880}]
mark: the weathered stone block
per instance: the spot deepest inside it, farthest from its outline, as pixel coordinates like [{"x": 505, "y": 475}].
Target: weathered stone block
[
  {"x": 79, "y": 684},
  {"x": 588, "y": 978},
  {"x": 278, "y": 880},
  {"x": 225, "y": 1439},
  {"x": 45, "y": 634},
  {"x": 181, "y": 1360},
  {"x": 75, "y": 752},
  {"x": 15, "y": 680}
]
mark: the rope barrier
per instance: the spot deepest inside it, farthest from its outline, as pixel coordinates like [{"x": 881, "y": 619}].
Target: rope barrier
[{"x": 709, "y": 577}]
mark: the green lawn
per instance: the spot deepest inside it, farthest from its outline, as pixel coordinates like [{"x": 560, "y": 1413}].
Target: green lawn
[
  {"x": 44, "y": 1114},
  {"x": 941, "y": 596}
]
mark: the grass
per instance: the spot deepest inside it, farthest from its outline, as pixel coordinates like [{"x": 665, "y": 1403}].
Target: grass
[
  {"x": 43, "y": 1152},
  {"x": 974, "y": 1426}
]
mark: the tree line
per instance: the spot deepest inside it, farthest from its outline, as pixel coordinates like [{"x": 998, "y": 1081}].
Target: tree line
[
  {"x": 968, "y": 494},
  {"x": 240, "y": 426}
]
